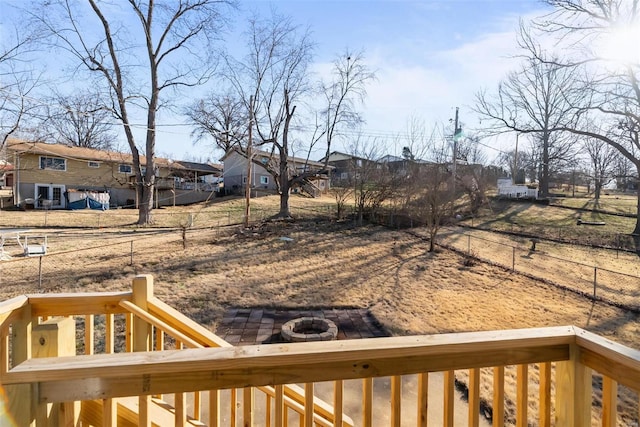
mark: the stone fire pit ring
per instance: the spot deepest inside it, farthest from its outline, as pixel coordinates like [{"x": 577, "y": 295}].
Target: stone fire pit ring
[{"x": 305, "y": 329}]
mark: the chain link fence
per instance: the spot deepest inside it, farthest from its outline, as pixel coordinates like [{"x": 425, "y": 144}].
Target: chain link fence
[{"x": 616, "y": 287}]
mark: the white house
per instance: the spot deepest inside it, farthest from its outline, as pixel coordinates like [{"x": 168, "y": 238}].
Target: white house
[{"x": 506, "y": 188}]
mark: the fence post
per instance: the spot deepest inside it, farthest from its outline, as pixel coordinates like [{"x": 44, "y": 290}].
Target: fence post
[
  {"x": 40, "y": 272},
  {"x": 513, "y": 258}
]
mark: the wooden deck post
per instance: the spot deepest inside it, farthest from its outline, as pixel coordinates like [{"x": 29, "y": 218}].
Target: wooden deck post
[
  {"x": 21, "y": 403},
  {"x": 142, "y": 293},
  {"x": 56, "y": 337},
  {"x": 573, "y": 391}
]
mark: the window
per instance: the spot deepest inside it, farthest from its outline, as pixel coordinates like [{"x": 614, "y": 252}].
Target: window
[
  {"x": 93, "y": 164},
  {"x": 264, "y": 180},
  {"x": 124, "y": 169},
  {"x": 53, "y": 163},
  {"x": 359, "y": 163},
  {"x": 344, "y": 175},
  {"x": 244, "y": 179},
  {"x": 264, "y": 160}
]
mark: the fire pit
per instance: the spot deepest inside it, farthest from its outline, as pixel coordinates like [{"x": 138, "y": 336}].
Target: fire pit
[{"x": 305, "y": 329}]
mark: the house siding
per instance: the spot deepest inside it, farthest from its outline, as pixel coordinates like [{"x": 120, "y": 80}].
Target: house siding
[{"x": 104, "y": 178}]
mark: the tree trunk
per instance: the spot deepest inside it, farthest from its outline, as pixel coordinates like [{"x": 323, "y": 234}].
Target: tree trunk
[
  {"x": 145, "y": 204},
  {"x": 597, "y": 189},
  {"x": 544, "y": 178},
  {"x": 284, "y": 198},
  {"x": 636, "y": 230}
]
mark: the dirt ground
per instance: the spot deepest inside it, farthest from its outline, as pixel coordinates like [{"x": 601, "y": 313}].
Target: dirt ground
[{"x": 326, "y": 264}]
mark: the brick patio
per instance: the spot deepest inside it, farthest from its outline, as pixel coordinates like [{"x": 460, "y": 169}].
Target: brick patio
[{"x": 247, "y": 326}]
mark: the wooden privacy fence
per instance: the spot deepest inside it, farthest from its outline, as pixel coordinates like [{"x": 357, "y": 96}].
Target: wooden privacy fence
[{"x": 143, "y": 363}]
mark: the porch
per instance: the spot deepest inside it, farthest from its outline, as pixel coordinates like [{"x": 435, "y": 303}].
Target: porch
[{"x": 127, "y": 358}]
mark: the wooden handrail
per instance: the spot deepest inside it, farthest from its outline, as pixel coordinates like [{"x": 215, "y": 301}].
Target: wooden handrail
[
  {"x": 9, "y": 309},
  {"x": 114, "y": 375},
  {"x": 78, "y": 304},
  {"x": 614, "y": 360}
]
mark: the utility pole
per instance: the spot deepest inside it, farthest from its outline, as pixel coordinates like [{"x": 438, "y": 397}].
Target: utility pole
[{"x": 247, "y": 188}]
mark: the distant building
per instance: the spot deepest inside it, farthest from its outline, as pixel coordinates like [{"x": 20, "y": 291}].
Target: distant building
[
  {"x": 59, "y": 176},
  {"x": 506, "y": 188},
  {"x": 314, "y": 183}
]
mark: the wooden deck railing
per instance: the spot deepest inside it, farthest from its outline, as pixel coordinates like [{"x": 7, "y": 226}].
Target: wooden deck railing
[{"x": 127, "y": 376}]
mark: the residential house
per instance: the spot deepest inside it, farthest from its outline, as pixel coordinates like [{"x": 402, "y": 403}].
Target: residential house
[
  {"x": 57, "y": 176},
  {"x": 6, "y": 174},
  {"x": 347, "y": 167},
  {"x": 315, "y": 181}
]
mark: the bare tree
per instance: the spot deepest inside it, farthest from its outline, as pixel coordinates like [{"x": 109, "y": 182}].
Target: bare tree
[
  {"x": 275, "y": 74},
  {"x": 79, "y": 120},
  {"x": 342, "y": 95},
  {"x": 590, "y": 34},
  {"x": 373, "y": 183},
  {"x": 602, "y": 157},
  {"x": 174, "y": 36},
  {"x": 222, "y": 117},
  {"x": 536, "y": 99},
  {"x": 430, "y": 185},
  {"x": 17, "y": 82}
]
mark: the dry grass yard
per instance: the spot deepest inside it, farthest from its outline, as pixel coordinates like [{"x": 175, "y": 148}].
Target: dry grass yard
[{"x": 409, "y": 290}]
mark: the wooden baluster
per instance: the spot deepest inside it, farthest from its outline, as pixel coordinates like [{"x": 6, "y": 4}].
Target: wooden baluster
[
  {"x": 247, "y": 405},
  {"x": 609, "y": 402},
  {"x": 180, "y": 401},
  {"x": 338, "y": 402},
  {"x": 545, "y": 395},
  {"x": 522, "y": 395},
  {"x": 279, "y": 409},
  {"x": 89, "y": 333},
  {"x": 159, "y": 346},
  {"x": 214, "y": 408},
  {"x": 308, "y": 405},
  {"x": 197, "y": 405},
  {"x": 498, "y": 396},
  {"x": 396, "y": 400},
  {"x": 109, "y": 413},
  {"x": 109, "y": 406},
  {"x": 234, "y": 407},
  {"x": 267, "y": 410},
  {"x": 449, "y": 383},
  {"x": 367, "y": 402},
  {"x": 128, "y": 334},
  {"x": 423, "y": 399},
  {"x": 474, "y": 397},
  {"x": 109, "y": 332}
]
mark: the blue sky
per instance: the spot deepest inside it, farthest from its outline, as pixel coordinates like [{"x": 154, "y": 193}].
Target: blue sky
[{"x": 429, "y": 56}]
